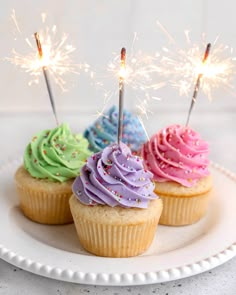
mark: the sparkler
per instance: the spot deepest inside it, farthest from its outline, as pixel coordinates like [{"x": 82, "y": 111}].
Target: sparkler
[
  {"x": 45, "y": 73},
  {"x": 121, "y": 93},
  {"x": 180, "y": 67},
  {"x": 139, "y": 78},
  {"x": 57, "y": 56},
  {"x": 198, "y": 82}
]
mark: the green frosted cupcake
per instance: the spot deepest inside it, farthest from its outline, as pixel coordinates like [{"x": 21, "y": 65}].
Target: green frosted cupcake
[{"x": 52, "y": 160}]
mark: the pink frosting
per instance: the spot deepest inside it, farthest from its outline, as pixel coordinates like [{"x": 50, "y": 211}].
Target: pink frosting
[{"x": 176, "y": 153}]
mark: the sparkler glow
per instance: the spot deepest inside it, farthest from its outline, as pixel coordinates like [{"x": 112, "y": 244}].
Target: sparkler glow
[
  {"x": 181, "y": 67},
  {"x": 138, "y": 73},
  {"x": 56, "y": 56},
  {"x": 139, "y": 77}
]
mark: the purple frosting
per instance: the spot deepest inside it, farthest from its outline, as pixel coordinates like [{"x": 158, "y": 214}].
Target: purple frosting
[{"x": 114, "y": 177}]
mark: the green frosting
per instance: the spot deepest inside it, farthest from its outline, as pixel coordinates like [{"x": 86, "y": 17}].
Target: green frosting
[{"x": 56, "y": 155}]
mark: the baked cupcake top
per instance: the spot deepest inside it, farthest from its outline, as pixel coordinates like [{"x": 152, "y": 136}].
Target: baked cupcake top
[
  {"x": 56, "y": 155},
  {"x": 114, "y": 177},
  {"x": 176, "y": 153},
  {"x": 104, "y": 131}
]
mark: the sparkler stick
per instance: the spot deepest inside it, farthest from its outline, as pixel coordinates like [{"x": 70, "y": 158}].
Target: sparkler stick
[
  {"x": 121, "y": 93},
  {"x": 45, "y": 73},
  {"x": 198, "y": 82}
]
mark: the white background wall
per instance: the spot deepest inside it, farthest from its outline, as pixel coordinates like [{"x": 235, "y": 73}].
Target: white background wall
[{"x": 97, "y": 28}]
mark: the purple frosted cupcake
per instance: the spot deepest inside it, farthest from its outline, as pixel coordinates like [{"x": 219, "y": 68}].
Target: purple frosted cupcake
[{"x": 113, "y": 206}]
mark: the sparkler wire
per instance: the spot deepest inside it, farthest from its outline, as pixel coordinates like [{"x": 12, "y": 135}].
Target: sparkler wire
[
  {"x": 198, "y": 83},
  {"x": 45, "y": 73},
  {"x": 121, "y": 95}
]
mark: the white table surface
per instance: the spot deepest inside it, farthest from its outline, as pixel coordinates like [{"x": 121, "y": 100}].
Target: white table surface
[{"x": 216, "y": 125}]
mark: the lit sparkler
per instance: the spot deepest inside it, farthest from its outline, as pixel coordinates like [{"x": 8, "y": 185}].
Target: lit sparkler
[
  {"x": 140, "y": 72},
  {"x": 45, "y": 73},
  {"x": 57, "y": 56},
  {"x": 198, "y": 82},
  {"x": 180, "y": 67}
]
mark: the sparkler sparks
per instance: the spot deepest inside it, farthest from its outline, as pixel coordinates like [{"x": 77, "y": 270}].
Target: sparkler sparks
[
  {"x": 181, "y": 67},
  {"x": 138, "y": 75},
  {"x": 13, "y": 17},
  {"x": 138, "y": 72},
  {"x": 57, "y": 56}
]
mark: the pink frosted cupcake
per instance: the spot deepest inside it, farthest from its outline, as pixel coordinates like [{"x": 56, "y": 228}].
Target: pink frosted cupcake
[{"x": 178, "y": 159}]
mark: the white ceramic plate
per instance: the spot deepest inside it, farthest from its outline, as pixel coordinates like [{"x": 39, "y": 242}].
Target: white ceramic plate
[{"x": 176, "y": 252}]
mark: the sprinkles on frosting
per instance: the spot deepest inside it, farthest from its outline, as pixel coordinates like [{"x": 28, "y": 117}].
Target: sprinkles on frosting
[
  {"x": 104, "y": 131},
  {"x": 56, "y": 155},
  {"x": 114, "y": 177},
  {"x": 177, "y": 154}
]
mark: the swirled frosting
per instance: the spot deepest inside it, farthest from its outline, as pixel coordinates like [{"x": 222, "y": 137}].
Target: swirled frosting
[
  {"x": 176, "y": 153},
  {"x": 104, "y": 131},
  {"x": 56, "y": 154},
  {"x": 114, "y": 177}
]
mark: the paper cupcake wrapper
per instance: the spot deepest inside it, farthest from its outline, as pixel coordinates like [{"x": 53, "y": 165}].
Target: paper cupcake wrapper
[
  {"x": 43, "y": 207},
  {"x": 104, "y": 236},
  {"x": 183, "y": 211},
  {"x": 115, "y": 241}
]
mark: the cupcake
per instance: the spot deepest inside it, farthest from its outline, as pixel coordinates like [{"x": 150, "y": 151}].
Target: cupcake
[
  {"x": 113, "y": 205},
  {"x": 177, "y": 157},
  {"x": 104, "y": 131},
  {"x": 52, "y": 160}
]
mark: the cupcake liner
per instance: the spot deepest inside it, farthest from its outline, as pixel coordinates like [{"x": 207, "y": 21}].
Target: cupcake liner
[
  {"x": 183, "y": 205},
  {"x": 183, "y": 211},
  {"x": 42, "y": 201},
  {"x": 46, "y": 208},
  {"x": 113, "y": 239}
]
